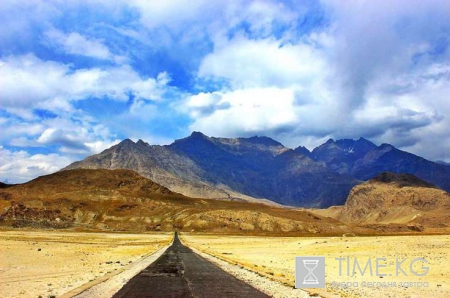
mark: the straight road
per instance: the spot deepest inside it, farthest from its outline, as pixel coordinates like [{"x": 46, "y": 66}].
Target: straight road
[{"x": 180, "y": 272}]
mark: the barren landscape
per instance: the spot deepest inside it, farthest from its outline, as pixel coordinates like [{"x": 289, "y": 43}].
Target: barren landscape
[
  {"x": 194, "y": 149},
  {"x": 273, "y": 257},
  {"x": 51, "y": 263}
]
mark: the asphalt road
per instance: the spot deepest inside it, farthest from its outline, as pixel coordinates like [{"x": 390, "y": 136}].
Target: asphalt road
[{"x": 180, "y": 272}]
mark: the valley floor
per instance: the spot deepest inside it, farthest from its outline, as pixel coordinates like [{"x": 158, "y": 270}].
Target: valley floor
[
  {"x": 273, "y": 257},
  {"x": 51, "y": 263}
]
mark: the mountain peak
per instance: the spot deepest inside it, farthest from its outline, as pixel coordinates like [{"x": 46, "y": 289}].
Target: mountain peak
[
  {"x": 386, "y": 146},
  {"x": 127, "y": 141},
  {"x": 360, "y": 146},
  {"x": 198, "y": 134},
  {"x": 303, "y": 150},
  {"x": 141, "y": 142},
  {"x": 195, "y": 139},
  {"x": 365, "y": 142},
  {"x": 330, "y": 141}
]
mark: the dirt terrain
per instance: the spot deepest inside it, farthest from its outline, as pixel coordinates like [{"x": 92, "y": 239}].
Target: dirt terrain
[
  {"x": 50, "y": 263},
  {"x": 122, "y": 200},
  {"x": 273, "y": 257},
  {"x": 47, "y": 263}
]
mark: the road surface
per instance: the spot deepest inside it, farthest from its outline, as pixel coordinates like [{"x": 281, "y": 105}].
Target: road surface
[{"x": 180, "y": 272}]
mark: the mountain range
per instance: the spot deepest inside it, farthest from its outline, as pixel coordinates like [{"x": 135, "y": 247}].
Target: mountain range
[{"x": 260, "y": 168}]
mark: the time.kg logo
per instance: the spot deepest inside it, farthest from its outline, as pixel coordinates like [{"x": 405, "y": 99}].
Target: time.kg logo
[{"x": 309, "y": 272}]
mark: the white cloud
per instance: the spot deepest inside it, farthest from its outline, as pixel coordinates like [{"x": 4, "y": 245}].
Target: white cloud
[
  {"x": 76, "y": 44},
  {"x": 366, "y": 68},
  {"x": 375, "y": 70},
  {"x": 170, "y": 13},
  {"x": 248, "y": 111},
  {"x": 202, "y": 100},
  {"x": 29, "y": 82},
  {"x": 20, "y": 166},
  {"x": 263, "y": 63},
  {"x": 75, "y": 136},
  {"x": 14, "y": 129}
]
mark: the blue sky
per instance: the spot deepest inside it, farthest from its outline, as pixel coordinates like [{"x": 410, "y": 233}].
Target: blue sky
[{"x": 79, "y": 76}]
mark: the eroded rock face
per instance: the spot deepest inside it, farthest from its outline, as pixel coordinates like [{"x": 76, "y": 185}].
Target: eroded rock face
[{"x": 395, "y": 198}]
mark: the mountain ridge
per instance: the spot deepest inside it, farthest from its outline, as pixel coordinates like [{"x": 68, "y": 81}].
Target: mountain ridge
[
  {"x": 122, "y": 200},
  {"x": 259, "y": 167},
  {"x": 364, "y": 160}
]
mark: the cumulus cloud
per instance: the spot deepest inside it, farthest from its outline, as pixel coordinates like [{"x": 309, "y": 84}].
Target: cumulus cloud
[
  {"x": 29, "y": 82},
  {"x": 249, "y": 111},
  {"x": 373, "y": 70},
  {"x": 31, "y": 86},
  {"x": 76, "y": 135},
  {"x": 265, "y": 62},
  {"x": 20, "y": 166},
  {"x": 76, "y": 139}
]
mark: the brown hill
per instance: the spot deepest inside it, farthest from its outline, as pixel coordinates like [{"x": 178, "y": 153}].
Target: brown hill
[
  {"x": 395, "y": 199},
  {"x": 4, "y": 185},
  {"x": 122, "y": 200}
]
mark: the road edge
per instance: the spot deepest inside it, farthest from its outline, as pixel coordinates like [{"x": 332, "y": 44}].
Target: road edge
[
  {"x": 261, "y": 283},
  {"x": 92, "y": 289}
]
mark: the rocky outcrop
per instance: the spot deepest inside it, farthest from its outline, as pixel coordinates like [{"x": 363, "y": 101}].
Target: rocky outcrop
[{"x": 396, "y": 198}]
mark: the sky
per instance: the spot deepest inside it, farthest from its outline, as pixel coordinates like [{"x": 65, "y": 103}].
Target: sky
[{"x": 77, "y": 77}]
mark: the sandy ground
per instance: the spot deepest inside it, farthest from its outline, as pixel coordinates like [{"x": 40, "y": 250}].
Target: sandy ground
[
  {"x": 273, "y": 257},
  {"x": 51, "y": 263}
]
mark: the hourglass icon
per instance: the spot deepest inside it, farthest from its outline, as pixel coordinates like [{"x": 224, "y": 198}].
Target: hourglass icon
[{"x": 310, "y": 278}]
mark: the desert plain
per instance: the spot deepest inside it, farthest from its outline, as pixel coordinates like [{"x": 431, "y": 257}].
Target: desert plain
[
  {"x": 273, "y": 258},
  {"x": 52, "y": 263}
]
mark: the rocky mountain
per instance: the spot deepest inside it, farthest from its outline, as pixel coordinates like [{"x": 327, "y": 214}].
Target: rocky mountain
[
  {"x": 395, "y": 199},
  {"x": 240, "y": 168},
  {"x": 122, "y": 200},
  {"x": 364, "y": 160},
  {"x": 257, "y": 168}
]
